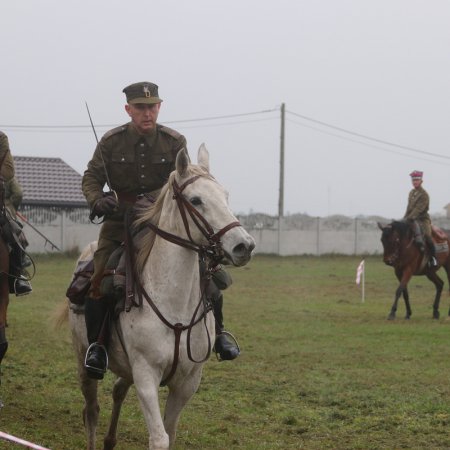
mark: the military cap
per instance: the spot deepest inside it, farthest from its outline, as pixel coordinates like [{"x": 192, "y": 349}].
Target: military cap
[
  {"x": 142, "y": 92},
  {"x": 416, "y": 175}
]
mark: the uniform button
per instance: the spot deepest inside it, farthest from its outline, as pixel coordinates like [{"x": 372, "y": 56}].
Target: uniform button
[
  {"x": 142, "y": 176},
  {"x": 123, "y": 159},
  {"x": 141, "y": 144},
  {"x": 142, "y": 166},
  {"x": 142, "y": 186},
  {"x": 163, "y": 159},
  {"x": 142, "y": 155}
]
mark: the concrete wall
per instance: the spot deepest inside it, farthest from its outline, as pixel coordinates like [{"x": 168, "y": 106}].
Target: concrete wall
[
  {"x": 319, "y": 236},
  {"x": 67, "y": 229},
  {"x": 305, "y": 235},
  {"x": 71, "y": 229}
]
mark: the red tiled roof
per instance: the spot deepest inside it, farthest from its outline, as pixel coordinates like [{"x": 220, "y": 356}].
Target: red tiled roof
[{"x": 48, "y": 182}]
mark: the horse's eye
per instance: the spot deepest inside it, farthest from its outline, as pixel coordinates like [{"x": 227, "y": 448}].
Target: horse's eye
[{"x": 196, "y": 201}]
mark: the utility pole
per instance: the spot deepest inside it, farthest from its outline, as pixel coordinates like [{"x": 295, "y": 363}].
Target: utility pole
[{"x": 281, "y": 189}]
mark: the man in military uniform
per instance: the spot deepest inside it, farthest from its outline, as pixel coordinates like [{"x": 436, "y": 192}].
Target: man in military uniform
[
  {"x": 417, "y": 213},
  {"x": 19, "y": 284},
  {"x": 132, "y": 159}
]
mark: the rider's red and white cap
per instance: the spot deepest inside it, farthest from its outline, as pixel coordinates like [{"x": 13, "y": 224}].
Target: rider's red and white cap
[{"x": 416, "y": 175}]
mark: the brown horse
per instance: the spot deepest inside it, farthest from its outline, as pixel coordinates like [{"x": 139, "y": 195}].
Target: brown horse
[{"x": 402, "y": 253}]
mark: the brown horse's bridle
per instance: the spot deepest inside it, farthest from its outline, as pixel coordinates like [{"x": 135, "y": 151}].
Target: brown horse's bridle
[
  {"x": 211, "y": 254},
  {"x": 214, "y": 249},
  {"x": 394, "y": 256}
]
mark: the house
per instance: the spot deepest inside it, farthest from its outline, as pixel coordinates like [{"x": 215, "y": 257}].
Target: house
[{"x": 54, "y": 211}]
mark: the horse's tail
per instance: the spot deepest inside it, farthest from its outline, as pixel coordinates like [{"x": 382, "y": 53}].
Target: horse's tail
[{"x": 61, "y": 315}]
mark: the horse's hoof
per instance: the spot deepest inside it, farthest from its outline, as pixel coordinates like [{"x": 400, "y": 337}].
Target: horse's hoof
[
  {"x": 436, "y": 316},
  {"x": 391, "y": 317},
  {"x": 407, "y": 317}
]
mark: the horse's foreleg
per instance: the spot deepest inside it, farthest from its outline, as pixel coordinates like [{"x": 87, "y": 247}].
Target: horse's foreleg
[
  {"x": 3, "y": 343},
  {"x": 407, "y": 304},
  {"x": 398, "y": 293},
  {"x": 147, "y": 387},
  {"x": 120, "y": 390},
  {"x": 179, "y": 395},
  {"x": 91, "y": 408}
]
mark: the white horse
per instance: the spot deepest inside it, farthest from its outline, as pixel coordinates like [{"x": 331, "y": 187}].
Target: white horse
[{"x": 193, "y": 219}]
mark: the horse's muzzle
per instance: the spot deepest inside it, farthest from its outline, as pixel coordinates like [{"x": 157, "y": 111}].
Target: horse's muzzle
[{"x": 241, "y": 253}]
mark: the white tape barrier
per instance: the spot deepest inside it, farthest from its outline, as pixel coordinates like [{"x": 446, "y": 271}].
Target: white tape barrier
[{"x": 8, "y": 437}]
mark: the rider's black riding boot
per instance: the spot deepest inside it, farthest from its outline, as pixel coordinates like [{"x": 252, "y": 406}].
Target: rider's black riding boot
[
  {"x": 418, "y": 236},
  {"x": 225, "y": 345},
  {"x": 432, "y": 262},
  {"x": 18, "y": 283},
  {"x": 95, "y": 314}
]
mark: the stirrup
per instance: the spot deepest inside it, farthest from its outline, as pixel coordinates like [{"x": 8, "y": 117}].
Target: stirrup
[
  {"x": 227, "y": 333},
  {"x": 21, "y": 291},
  {"x": 92, "y": 369}
]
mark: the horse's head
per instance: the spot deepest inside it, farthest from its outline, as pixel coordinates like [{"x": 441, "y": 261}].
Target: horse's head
[
  {"x": 393, "y": 237},
  {"x": 199, "y": 211}
]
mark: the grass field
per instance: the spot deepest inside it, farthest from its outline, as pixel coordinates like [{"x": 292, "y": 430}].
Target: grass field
[{"x": 319, "y": 368}]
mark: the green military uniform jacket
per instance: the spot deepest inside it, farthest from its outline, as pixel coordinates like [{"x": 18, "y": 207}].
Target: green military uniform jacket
[
  {"x": 7, "y": 167},
  {"x": 417, "y": 209},
  {"x": 13, "y": 195},
  {"x": 135, "y": 164}
]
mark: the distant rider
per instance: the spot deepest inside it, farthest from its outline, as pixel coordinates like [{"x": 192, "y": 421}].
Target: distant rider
[
  {"x": 417, "y": 214},
  {"x": 11, "y": 231}
]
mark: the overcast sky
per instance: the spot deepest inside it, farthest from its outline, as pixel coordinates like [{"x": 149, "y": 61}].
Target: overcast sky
[{"x": 377, "y": 68}]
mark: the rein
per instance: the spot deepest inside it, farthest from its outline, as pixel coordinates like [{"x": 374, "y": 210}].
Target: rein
[{"x": 211, "y": 253}]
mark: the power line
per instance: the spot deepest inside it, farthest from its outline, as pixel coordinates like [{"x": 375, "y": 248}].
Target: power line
[
  {"x": 381, "y": 141},
  {"x": 199, "y": 119},
  {"x": 225, "y": 123},
  {"x": 84, "y": 128},
  {"x": 395, "y": 152}
]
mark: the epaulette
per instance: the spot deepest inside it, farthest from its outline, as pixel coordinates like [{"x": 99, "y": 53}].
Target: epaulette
[
  {"x": 170, "y": 132},
  {"x": 114, "y": 131}
]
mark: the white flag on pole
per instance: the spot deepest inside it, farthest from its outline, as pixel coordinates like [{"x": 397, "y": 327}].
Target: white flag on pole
[{"x": 359, "y": 272}]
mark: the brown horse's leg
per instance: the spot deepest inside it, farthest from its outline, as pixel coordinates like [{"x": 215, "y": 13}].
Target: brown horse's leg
[
  {"x": 439, "y": 284},
  {"x": 398, "y": 293},
  {"x": 446, "y": 266},
  {"x": 3, "y": 343},
  {"x": 402, "y": 289},
  {"x": 407, "y": 304},
  {"x": 4, "y": 300}
]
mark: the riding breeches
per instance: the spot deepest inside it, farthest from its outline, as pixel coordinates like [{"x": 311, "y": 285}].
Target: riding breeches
[{"x": 111, "y": 236}]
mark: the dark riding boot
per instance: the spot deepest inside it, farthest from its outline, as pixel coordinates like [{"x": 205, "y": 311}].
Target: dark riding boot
[
  {"x": 18, "y": 282},
  {"x": 432, "y": 262},
  {"x": 418, "y": 235},
  {"x": 225, "y": 345},
  {"x": 95, "y": 314}
]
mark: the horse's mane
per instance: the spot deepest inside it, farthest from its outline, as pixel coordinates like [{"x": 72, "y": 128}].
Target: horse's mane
[
  {"x": 152, "y": 214},
  {"x": 401, "y": 226}
]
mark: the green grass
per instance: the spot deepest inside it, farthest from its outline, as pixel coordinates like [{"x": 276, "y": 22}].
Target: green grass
[{"x": 319, "y": 368}]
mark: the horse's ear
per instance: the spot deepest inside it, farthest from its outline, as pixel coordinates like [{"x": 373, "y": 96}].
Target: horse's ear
[
  {"x": 380, "y": 226},
  {"x": 203, "y": 157},
  {"x": 182, "y": 162}
]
